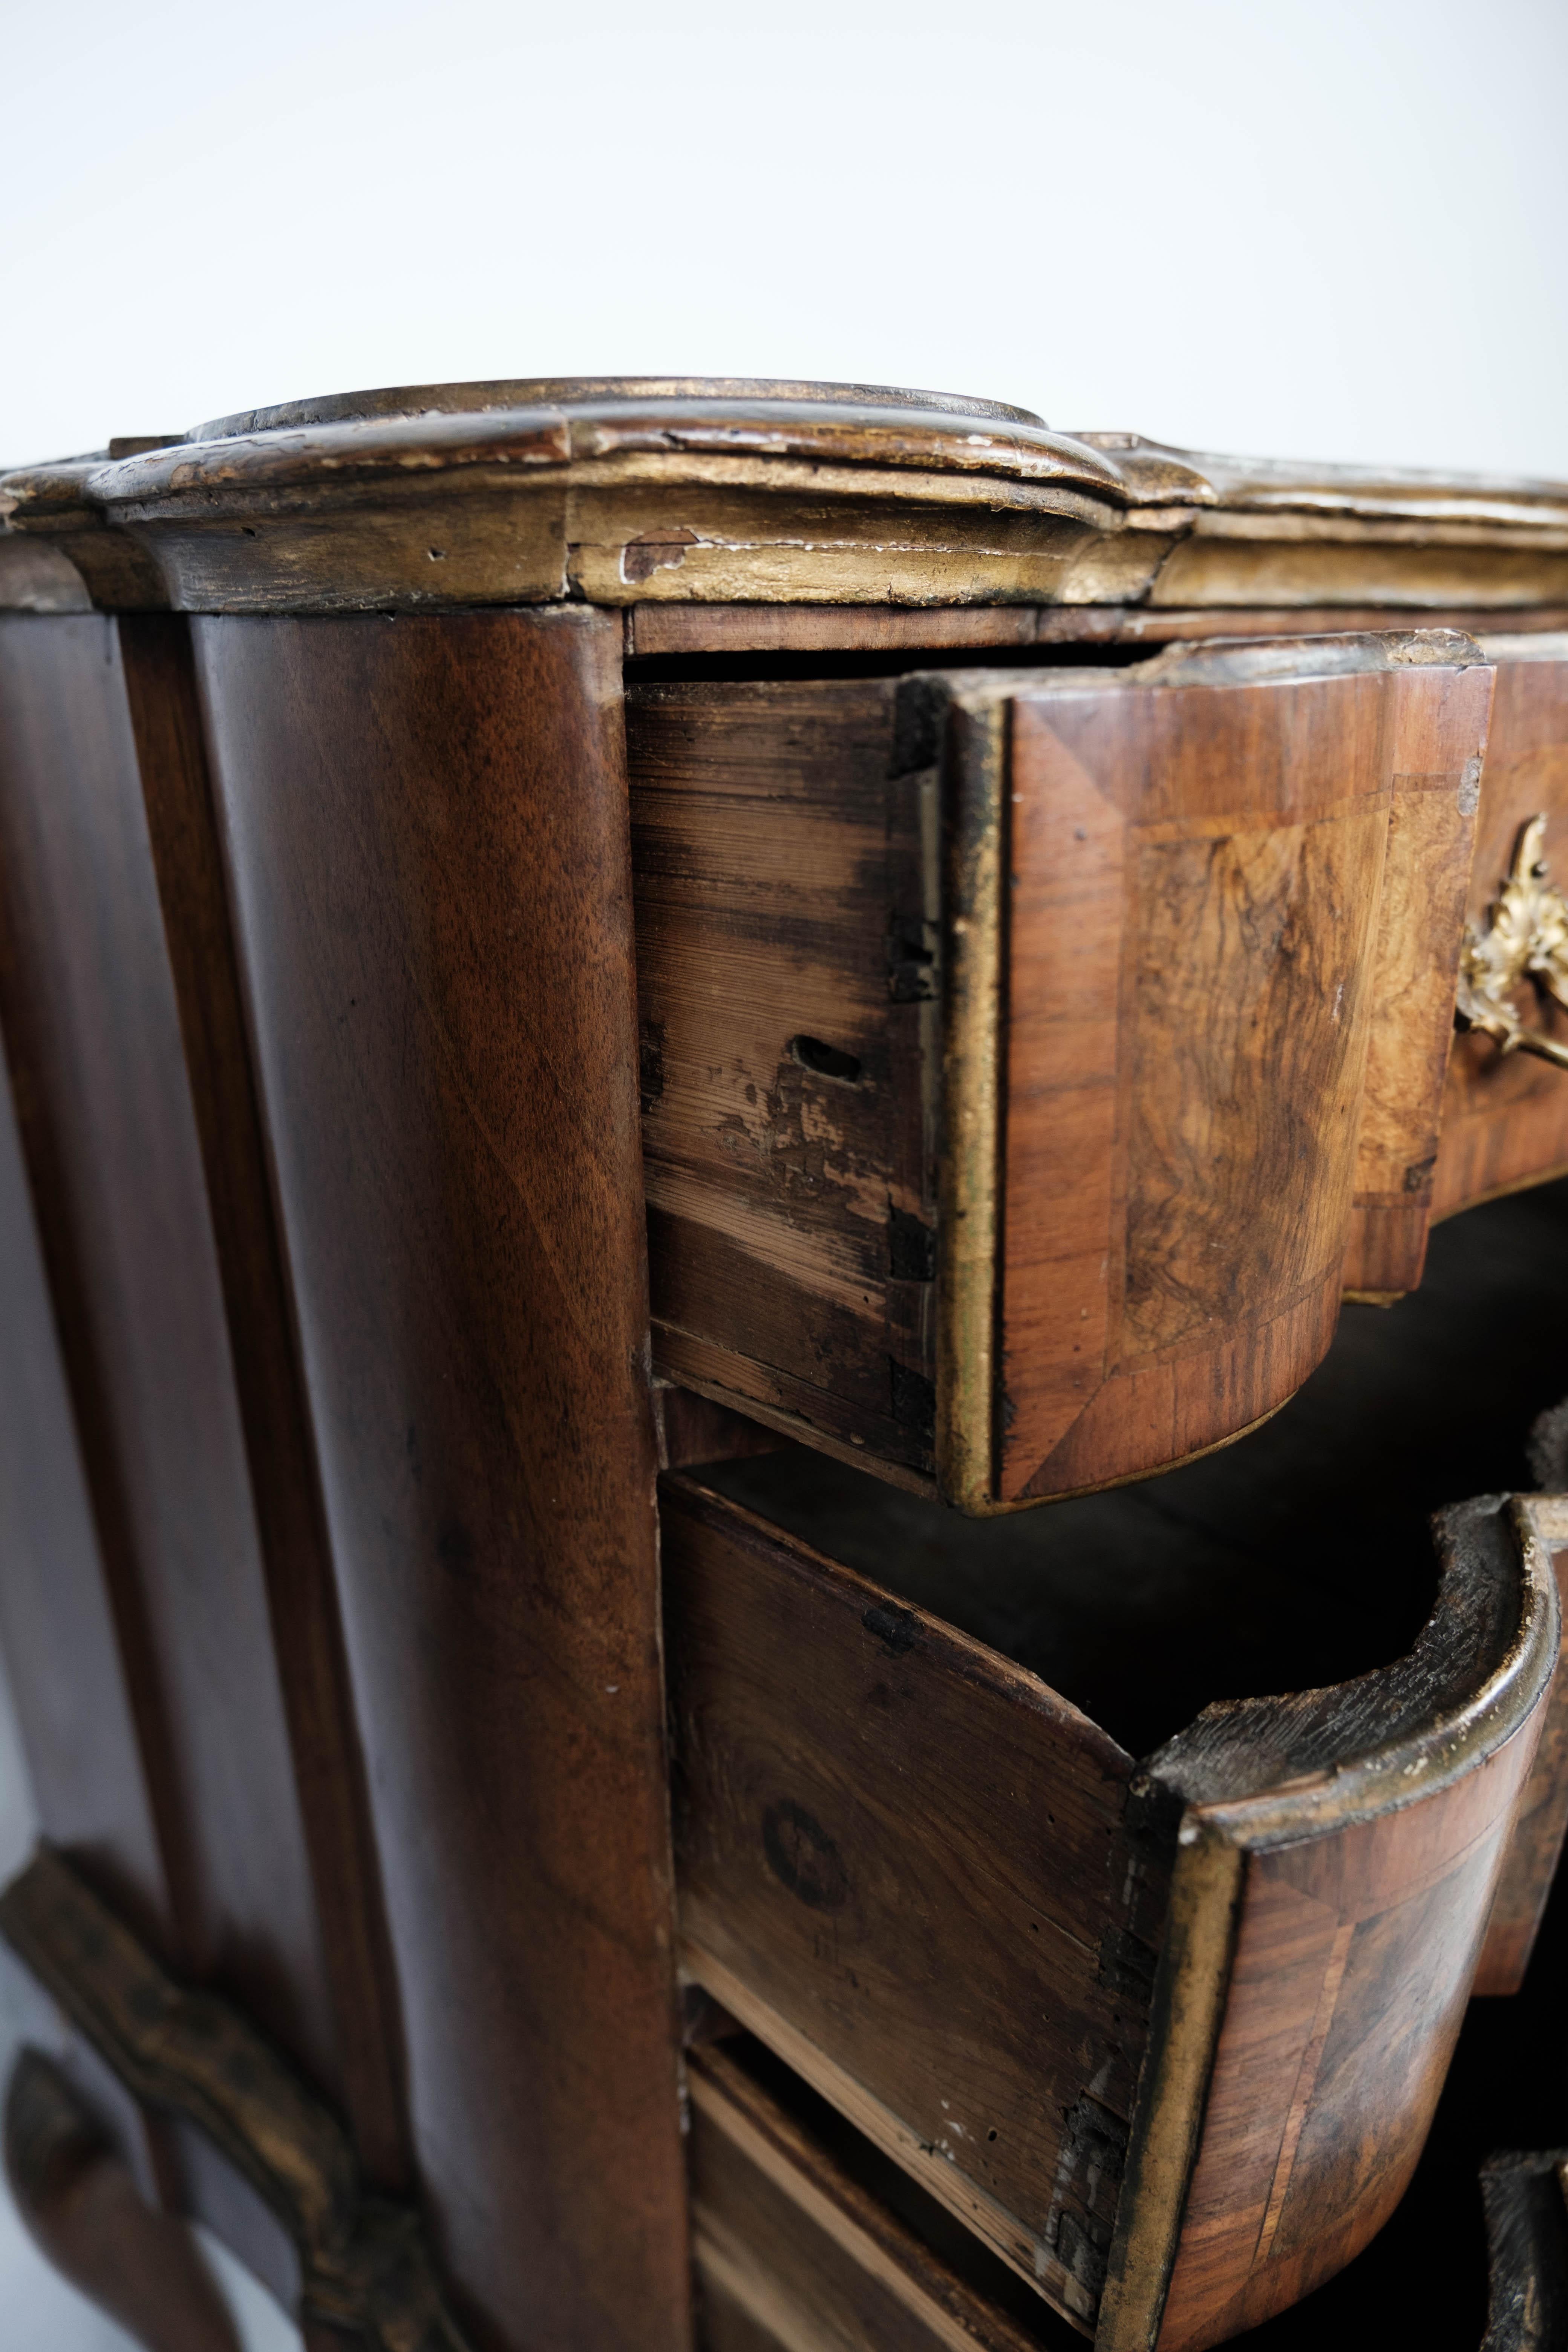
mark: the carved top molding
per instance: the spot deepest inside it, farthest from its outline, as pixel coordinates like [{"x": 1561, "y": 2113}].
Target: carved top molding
[{"x": 633, "y": 490}]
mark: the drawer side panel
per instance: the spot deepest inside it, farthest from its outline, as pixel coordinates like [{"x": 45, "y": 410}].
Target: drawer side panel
[{"x": 909, "y": 1861}]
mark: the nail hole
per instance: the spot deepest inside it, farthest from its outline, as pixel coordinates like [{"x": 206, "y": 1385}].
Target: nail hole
[
  {"x": 826, "y": 1060},
  {"x": 438, "y": 554},
  {"x": 248, "y": 530}
]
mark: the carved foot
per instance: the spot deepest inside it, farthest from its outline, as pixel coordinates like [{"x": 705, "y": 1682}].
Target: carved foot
[{"x": 84, "y": 2211}]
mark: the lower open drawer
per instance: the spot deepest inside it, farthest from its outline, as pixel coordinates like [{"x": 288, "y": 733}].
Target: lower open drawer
[{"x": 1166, "y": 2035}]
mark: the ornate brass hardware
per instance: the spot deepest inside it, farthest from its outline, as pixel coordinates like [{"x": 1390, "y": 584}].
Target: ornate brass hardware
[
  {"x": 365, "y": 2265},
  {"x": 1526, "y": 937}
]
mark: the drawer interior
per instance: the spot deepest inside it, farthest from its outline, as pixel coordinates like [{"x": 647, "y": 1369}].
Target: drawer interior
[{"x": 1298, "y": 1556}]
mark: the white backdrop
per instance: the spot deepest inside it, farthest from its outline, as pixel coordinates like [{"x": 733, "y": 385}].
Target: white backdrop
[
  {"x": 1332, "y": 228},
  {"x": 1328, "y": 228}
]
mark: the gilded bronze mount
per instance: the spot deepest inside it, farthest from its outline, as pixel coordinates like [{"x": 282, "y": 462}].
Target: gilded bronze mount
[{"x": 1525, "y": 938}]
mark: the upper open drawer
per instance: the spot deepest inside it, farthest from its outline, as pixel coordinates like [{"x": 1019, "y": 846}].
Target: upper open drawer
[{"x": 1031, "y": 1058}]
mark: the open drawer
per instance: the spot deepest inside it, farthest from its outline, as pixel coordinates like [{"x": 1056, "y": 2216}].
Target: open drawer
[
  {"x": 1168, "y": 2038},
  {"x": 1165, "y": 2036},
  {"x": 1032, "y": 1058}
]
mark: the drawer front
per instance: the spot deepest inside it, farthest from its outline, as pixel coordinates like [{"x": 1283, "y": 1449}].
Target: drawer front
[
  {"x": 1030, "y": 1063},
  {"x": 1143, "y": 2067},
  {"x": 1211, "y": 913}
]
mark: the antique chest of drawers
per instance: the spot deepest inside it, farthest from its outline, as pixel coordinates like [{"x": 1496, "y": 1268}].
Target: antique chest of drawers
[{"x": 898, "y": 968}]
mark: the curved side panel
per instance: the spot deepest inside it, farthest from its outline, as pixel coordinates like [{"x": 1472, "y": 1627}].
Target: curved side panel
[
  {"x": 109, "y": 1137},
  {"x": 427, "y": 831},
  {"x": 56, "y": 1610},
  {"x": 1364, "y": 1889}
]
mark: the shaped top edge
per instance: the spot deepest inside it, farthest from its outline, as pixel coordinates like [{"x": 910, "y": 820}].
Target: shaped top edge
[{"x": 576, "y": 392}]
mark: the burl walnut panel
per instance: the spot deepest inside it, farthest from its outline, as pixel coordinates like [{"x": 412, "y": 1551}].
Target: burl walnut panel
[
  {"x": 426, "y": 842},
  {"x": 1202, "y": 937},
  {"x": 1441, "y": 717}
]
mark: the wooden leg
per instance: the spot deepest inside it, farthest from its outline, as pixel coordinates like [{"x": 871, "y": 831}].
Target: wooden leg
[{"x": 84, "y": 2213}]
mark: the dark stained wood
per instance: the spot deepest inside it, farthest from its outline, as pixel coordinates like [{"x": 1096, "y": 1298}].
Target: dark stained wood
[
  {"x": 90, "y": 1027},
  {"x": 1527, "y": 2251},
  {"x": 783, "y": 2232},
  {"x": 84, "y": 2211},
  {"x": 693, "y": 1429},
  {"x": 915, "y": 1874},
  {"x": 692, "y": 631},
  {"x": 1542, "y": 1821},
  {"x": 56, "y": 1610},
  {"x": 786, "y": 975},
  {"x": 302, "y": 1603},
  {"x": 254, "y": 2148},
  {"x": 687, "y": 630},
  {"x": 724, "y": 2326},
  {"x": 1505, "y": 1120},
  {"x": 425, "y": 839}
]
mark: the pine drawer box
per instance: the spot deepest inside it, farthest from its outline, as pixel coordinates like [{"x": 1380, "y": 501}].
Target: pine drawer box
[{"x": 1030, "y": 1062}]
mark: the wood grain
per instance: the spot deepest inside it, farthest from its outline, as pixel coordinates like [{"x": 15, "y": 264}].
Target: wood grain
[
  {"x": 973, "y": 1968},
  {"x": 1527, "y": 2251},
  {"x": 1203, "y": 936},
  {"x": 651, "y": 490},
  {"x": 1440, "y": 738},
  {"x": 690, "y": 632},
  {"x": 1504, "y": 1122},
  {"x": 92, "y": 1029},
  {"x": 785, "y": 979},
  {"x": 58, "y": 1613},
  {"x": 302, "y": 1606},
  {"x": 426, "y": 840},
  {"x": 1191, "y": 932},
  {"x": 813, "y": 2259}
]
